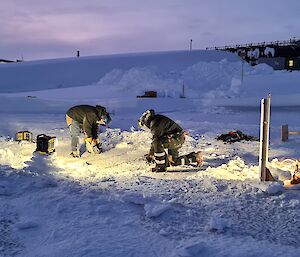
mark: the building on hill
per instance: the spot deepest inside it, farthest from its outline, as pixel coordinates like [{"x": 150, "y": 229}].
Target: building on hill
[
  {"x": 278, "y": 54},
  {"x": 8, "y": 61},
  {"x": 5, "y": 61}
]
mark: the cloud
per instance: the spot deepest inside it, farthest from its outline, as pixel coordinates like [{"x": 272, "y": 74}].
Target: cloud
[{"x": 125, "y": 26}]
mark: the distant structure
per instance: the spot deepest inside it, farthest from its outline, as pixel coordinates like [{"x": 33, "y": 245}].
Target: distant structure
[
  {"x": 5, "y": 61},
  {"x": 8, "y": 61},
  {"x": 278, "y": 54}
]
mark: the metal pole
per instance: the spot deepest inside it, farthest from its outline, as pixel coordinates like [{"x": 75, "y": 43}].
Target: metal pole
[
  {"x": 191, "y": 44},
  {"x": 261, "y": 142},
  {"x": 264, "y": 137}
]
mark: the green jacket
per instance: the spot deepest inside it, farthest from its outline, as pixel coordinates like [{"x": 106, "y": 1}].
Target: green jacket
[{"x": 87, "y": 116}]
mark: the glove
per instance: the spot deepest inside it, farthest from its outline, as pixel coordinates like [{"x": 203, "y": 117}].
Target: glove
[
  {"x": 92, "y": 141},
  {"x": 88, "y": 140},
  {"x": 170, "y": 159},
  {"x": 95, "y": 141},
  {"x": 149, "y": 158},
  {"x": 93, "y": 145},
  {"x": 186, "y": 133}
]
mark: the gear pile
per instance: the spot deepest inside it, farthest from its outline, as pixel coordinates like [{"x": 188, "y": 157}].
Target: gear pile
[{"x": 235, "y": 136}]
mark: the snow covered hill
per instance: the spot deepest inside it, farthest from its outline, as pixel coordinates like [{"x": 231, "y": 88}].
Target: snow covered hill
[
  {"x": 209, "y": 79},
  {"x": 72, "y": 72},
  {"x": 111, "y": 204}
]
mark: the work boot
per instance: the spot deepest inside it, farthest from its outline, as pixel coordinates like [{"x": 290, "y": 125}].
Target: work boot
[
  {"x": 97, "y": 149},
  {"x": 159, "y": 168}
]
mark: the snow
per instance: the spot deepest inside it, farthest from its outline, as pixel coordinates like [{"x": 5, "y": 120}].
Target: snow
[{"x": 111, "y": 204}]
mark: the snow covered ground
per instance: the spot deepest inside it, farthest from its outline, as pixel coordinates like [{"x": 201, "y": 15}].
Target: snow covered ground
[{"x": 111, "y": 204}]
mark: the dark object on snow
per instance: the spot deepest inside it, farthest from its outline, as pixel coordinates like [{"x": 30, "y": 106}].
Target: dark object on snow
[
  {"x": 285, "y": 132},
  {"x": 235, "y": 136},
  {"x": 296, "y": 176},
  {"x": 3, "y": 60},
  {"x": 295, "y": 180},
  {"x": 150, "y": 94},
  {"x": 24, "y": 136},
  {"x": 158, "y": 169},
  {"x": 45, "y": 144}
]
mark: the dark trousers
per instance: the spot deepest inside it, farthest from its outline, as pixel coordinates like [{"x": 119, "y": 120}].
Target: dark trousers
[{"x": 172, "y": 143}]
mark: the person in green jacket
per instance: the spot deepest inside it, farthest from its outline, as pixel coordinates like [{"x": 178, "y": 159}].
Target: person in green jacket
[
  {"x": 86, "y": 118},
  {"x": 167, "y": 138}
]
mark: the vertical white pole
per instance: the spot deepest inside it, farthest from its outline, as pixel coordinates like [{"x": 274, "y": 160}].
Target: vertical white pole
[
  {"x": 264, "y": 137},
  {"x": 261, "y": 159}
]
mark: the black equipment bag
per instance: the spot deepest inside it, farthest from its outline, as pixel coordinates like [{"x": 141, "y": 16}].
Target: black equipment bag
[{"x": 45, "y": 144}]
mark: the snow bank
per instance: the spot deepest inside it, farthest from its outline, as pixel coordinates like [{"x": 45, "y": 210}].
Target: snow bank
[{"x": 74, "y": 72}]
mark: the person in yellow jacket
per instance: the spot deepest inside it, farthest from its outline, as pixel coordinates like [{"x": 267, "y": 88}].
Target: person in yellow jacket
[{"x": 86, "y": 118}]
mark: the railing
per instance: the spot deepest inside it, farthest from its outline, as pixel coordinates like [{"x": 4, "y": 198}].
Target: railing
[{"x": 292, "y": 41}]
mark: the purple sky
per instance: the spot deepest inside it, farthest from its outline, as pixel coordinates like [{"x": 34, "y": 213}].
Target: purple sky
[{"x": 40, "y": 29}]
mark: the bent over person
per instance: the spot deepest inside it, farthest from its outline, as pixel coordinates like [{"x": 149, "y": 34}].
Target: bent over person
[
  {"x": 168, "y": 138},
  {"x": 86, "y": 118}
]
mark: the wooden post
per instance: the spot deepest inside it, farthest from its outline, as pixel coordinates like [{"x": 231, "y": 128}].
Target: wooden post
[
  {"x": 265, "y": 174},
  {"x": 284, "y": 132},
  {"x": 182, "y": 95}
]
